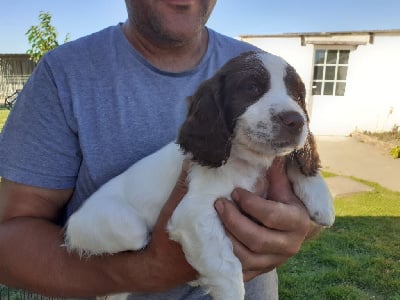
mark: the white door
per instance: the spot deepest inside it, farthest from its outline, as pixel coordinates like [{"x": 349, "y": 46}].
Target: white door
[{"x": 328, "y": 100}]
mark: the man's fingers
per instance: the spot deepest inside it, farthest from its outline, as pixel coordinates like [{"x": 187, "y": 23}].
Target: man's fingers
[
  {"x": 261, "y": 186},
  {"x": 252, "y": 262},
  {"x": 269, "y": 213},
  {"x": 279, "y": 186},
  {"x": 257, "y": 238}
]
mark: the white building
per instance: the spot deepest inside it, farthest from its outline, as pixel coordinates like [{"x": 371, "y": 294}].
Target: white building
[{"x": 352, "y": 78}]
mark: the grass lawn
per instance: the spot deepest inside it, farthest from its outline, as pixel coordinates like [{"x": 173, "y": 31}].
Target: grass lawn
[
  {"x": 3, "y": 117},
  {"x": 358, "y": 258}
]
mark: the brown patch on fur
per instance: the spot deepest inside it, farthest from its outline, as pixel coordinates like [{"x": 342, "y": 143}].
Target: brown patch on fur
[
  {"x": 306, "y": 158},
  {"x": 296, "y": 88},
  {"x": 206, "y": 133},
  {"x": 216, "y": 105}
]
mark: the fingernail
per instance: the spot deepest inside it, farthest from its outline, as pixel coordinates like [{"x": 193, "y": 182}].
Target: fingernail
[
  {"x": 219, "y": 206},
  {"x": 235, "y": 195}
]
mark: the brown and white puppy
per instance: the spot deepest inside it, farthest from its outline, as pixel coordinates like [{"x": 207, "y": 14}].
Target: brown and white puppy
[{"x": 248, "y": 113}]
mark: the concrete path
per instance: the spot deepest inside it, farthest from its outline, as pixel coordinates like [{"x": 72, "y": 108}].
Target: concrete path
[{"x": 349, "y": 157}]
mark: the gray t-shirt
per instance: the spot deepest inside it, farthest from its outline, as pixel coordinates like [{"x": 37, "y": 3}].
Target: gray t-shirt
[{"x": 95, "y": 106}]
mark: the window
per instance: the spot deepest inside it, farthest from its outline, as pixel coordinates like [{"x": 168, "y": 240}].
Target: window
[{"x": 330, "y": 72}]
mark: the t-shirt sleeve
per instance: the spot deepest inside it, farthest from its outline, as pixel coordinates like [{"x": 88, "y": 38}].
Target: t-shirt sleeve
[{"x": 38, "y": 145}]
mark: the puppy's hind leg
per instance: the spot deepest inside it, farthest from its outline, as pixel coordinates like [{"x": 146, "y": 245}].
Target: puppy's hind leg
[{"x": 105, "y": 225}]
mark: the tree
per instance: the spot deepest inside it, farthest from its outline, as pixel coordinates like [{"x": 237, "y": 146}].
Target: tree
[{"x": 42, "y": 37}]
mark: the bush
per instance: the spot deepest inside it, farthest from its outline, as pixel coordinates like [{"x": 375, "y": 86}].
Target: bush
[{"x": 395, "y": 152}]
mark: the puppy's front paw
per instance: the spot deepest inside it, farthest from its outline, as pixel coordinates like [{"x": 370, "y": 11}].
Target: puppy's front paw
[
  {"x": 315, "y": 195},
  {"x": 322, "y": 212}
]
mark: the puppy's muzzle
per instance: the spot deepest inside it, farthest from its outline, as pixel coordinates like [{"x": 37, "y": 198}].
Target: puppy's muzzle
[{"x": 291, "y": 123}]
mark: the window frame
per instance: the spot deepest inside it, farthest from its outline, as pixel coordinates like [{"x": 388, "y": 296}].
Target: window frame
[{"x": 323, "y": 81}]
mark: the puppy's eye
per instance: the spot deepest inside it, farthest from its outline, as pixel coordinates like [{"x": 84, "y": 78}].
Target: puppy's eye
[
  {"x": 253, "y": 88},
  {"x": 299, "y": 97}
]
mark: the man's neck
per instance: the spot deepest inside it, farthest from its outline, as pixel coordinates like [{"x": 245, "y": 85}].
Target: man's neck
[{"x": 171, "y": 57}]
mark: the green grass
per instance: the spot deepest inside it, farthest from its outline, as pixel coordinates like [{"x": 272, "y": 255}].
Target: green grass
[
  {"x": 358, "y": 258},
  {"x": 327, "y": 174},
  {"x": 11, "y": 294},
  {"x": 3, "y": 117}
]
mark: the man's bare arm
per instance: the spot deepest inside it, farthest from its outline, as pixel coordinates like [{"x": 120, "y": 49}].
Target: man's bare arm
[{"x": 32, "y": 258}]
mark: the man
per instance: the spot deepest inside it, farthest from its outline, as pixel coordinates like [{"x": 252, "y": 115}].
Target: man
[{"x": 91, "y": 109}]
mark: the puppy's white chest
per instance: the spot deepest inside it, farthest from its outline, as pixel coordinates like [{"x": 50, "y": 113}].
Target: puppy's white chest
[{"x": 220, "y": 182}]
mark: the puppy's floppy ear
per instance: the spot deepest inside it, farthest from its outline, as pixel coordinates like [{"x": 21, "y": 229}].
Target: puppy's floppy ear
[
  {"x": 306, "y": 158},
  {"x": 206, "y": 133}
]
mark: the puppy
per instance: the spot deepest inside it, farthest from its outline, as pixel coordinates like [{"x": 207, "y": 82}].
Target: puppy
[{"x": 251, "y": 111}]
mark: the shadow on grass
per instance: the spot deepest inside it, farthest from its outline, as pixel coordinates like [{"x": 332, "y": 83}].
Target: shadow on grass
[{"x": 358, "y": 258}]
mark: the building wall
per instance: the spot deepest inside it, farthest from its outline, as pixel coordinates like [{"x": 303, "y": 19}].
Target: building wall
[
  {"x": 372, "y": 98},
  {"x": 374, "y": 84}
]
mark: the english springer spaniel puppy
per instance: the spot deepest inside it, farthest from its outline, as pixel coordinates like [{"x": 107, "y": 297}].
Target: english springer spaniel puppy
[{"x": 251, "y": 111}]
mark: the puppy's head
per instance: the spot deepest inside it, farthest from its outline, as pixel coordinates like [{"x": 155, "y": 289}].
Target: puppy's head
[{"x": 255, "y": 103}]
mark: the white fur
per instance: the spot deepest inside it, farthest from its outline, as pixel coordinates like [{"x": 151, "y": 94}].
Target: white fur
[{"x": 120, "y": 215}]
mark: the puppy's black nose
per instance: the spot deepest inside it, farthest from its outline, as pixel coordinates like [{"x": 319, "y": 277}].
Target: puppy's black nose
[{"x": 291, "y": 121}]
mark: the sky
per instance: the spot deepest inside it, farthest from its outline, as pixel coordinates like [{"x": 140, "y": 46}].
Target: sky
[{"x": 230, "y": 17}]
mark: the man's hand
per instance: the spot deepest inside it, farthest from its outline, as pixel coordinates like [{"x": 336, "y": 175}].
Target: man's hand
[
  {"x": 265, "y": 233},
  {"x": 165, "y": 256}
]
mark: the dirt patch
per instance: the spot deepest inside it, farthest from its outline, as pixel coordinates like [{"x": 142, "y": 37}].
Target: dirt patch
[{"x": 383, "y": 141}]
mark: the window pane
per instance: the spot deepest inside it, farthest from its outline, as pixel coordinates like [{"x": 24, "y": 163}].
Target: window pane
[
  {"x": 328, "y": 88},
  {"x": 317, "y": 87},
  {"x": 319, "y": 72},
  {"x": 319, "y": 57},
  {"x": 342, "y": 73},
  {"x": 344, "y": 57},
  {"x": 340, "y": 88},
  {"x": 330, "y": 73},
  {"x": 331, "y": 57}
]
